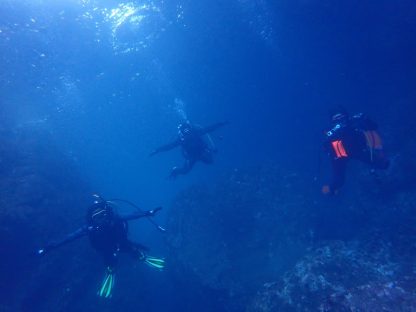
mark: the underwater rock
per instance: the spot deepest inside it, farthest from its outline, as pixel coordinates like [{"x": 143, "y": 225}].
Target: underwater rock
[
  {"x": 341, "y": 277},
  {"x": 266, "y": 240},
  {"x": 42, "y": 199},
  {"x": 241, "y": 232},
  {"x": 391, "y": 296}
]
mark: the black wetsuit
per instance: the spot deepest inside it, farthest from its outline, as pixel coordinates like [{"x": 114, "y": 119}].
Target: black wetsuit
[
  {"x": 355, "y": 138},
  {"x": 194, "y": 147},
  {"x": 108, "y": 238}
]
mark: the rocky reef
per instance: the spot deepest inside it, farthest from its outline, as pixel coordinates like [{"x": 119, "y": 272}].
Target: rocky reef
[
  {"x": 242, "y": 232},
  {"x": 259, "y": 239},
  {"x": 342, "y": 277},
  {"x": 266, "y": 241},
  {"x": 42, "y": 198}
]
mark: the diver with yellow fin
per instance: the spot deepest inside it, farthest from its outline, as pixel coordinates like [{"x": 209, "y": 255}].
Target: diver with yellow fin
[{"x": 107, "y": 231}]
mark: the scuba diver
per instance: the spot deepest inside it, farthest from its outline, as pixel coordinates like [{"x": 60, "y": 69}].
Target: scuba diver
[
  {"x": 195, "y": 147},
  {"x": 353, "y": 137},
  {"x": 107, "y": 232}
]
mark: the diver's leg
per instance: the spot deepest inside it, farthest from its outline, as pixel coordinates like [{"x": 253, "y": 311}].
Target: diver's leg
[
  {"x": 109, "y": 258},
  {"x": 339, "y": 167},
  {"x": 134, "y": 249},
  {"x": 375, "y": 158},
  {"x": 207, "y": 157},
  {"x": 188, "y": 165},
  {"x": 380, "y": 160},
  {"x": 138, "y": 251}
]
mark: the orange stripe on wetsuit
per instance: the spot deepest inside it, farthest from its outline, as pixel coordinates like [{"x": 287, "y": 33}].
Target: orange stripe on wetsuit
[{"x": 339, "y": 149}]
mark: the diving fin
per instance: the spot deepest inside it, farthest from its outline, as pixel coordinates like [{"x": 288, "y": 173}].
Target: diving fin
[
  {"x": 107, "y": 285},
  {"x": 153, "y": 262}
]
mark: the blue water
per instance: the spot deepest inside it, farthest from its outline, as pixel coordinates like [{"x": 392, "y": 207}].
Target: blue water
[{"x": 110, "y": 80}]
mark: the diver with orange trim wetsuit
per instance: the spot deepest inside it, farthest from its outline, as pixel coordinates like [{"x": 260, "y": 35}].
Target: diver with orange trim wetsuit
[{"x": 353, "y": 137}]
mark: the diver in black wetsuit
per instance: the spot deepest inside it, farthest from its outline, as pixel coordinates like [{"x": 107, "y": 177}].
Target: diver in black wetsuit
[
  {"x": 194, "y": 146},
  {"x": 353, "y": 137},
  {"x": 107, "y": 232}
]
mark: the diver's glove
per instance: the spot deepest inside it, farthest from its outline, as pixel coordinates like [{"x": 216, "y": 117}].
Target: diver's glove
[
  {"x": 43, "y": 251},
  {"x": 152, "y": 212},
  {"x": 174, "y": 173}
]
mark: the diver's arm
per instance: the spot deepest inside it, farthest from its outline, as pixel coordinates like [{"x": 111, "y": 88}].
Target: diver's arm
[
  {"x": 69, "y": 238},
  {"x": 213, "y": 127},
  {"x": 140, "y": 214},
  {"x": 165, "y": 148}
]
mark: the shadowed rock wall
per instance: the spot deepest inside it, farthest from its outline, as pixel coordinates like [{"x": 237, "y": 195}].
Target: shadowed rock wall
[{"x": 42, "y": 198}]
